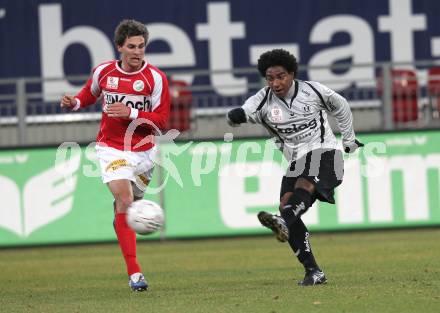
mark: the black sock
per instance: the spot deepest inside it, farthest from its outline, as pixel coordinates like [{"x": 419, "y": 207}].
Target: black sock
[
  {"x": 296, "y": 206},
  {"x": 299, "y": 242}
]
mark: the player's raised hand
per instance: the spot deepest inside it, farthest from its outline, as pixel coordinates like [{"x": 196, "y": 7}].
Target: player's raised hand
[
  {"x": 117, "y": 109},
  {"x": 68, "y": 101}
]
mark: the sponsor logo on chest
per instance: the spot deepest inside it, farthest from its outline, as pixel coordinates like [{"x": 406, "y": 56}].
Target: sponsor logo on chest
[
  {"x": 294, "y": 128},
  {"x": 140, "y": 102}
]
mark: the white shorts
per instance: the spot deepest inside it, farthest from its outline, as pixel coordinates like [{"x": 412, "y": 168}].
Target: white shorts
[{"x": 135, "y": 166}]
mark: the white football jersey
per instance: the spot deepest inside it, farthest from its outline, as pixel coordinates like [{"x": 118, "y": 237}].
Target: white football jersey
[{"x": 299, "y": 122}]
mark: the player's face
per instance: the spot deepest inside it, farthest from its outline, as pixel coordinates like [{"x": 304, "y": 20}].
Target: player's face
[
  {"x": 132, "y": 53},
  {"x": 279, "y": 80}
]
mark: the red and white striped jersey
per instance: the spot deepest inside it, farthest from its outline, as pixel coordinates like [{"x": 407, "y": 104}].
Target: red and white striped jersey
[{"x": 145, "y": 92}]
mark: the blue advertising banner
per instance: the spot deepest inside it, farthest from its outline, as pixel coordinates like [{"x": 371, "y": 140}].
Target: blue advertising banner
[
  {"x": 54, "y": 39},
  {"x": 50, "y": 38}
]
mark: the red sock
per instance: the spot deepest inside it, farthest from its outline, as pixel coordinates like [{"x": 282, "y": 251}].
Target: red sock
[{"x": 127, "y": 242}]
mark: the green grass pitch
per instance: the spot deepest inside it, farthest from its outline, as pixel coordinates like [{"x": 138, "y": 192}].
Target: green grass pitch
[{"x": 379, "y": 271}]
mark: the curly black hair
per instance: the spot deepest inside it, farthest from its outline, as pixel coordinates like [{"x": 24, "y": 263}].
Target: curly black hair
[
  {"x": 277, "y": 57},
  {"x": 129, "y": 28}
]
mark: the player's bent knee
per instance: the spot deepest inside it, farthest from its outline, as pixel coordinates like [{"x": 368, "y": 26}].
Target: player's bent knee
[
  {"x": 122, "y": 203},
  {"x": 303, "y": 183}
]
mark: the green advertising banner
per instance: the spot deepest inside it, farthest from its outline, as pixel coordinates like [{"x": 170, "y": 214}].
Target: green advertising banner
[
  {"x": 392, "y": 182},
  {"x": 53, "y": 197},
  {"x": 215, "y": 188}
]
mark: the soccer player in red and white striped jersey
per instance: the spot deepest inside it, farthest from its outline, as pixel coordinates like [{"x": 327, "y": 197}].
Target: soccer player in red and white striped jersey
[{"x": 131, "y": 90}]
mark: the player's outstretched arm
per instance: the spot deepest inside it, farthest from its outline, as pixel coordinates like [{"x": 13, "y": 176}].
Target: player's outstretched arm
[
  {"x": 68, "y": 101},
  {"x": 235, "y": 117},
  {"x": 342, "y": 112},
  {"x": 337, "y": 106}
]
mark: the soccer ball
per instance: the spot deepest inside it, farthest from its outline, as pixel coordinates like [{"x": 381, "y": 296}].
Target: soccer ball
[{"x": 145, "y": 217}]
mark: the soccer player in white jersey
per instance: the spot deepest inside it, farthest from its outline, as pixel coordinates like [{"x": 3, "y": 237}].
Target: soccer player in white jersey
[
  {"x": 132, "y": 90},
  {"x": 295, "y": 113}
]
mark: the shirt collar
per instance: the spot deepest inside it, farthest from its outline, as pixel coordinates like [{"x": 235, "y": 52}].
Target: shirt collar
[{"x": 292, "y": 91}]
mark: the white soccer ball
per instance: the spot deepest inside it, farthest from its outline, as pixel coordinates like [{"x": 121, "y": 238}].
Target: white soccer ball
[{"x": 145, "y": 217}]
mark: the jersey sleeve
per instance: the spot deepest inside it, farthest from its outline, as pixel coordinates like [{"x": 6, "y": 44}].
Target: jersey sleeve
[
  {"x": 91, "y": 90},
  {"x": 160, "y": 102},
  {"x": 85, "y": 95},
  {"x": 337, "y": 106},
  {"x": 252, "y": 106}
]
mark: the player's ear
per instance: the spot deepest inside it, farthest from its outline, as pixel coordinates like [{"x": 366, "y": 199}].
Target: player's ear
[{"x": 119, "y": 49}]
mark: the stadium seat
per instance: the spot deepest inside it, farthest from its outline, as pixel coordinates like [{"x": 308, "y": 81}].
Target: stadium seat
[
  {"x": 405, "y": 89},
  {"x": 181, "y": 102},
  {"x": 434, "y": 90}
]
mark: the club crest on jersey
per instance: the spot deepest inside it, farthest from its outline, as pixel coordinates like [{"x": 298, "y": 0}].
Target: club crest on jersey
[
  {"x": 138, "y": 85},
  {"x": 276, "y": 114},
  {"x": 112, "y": 82}
]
